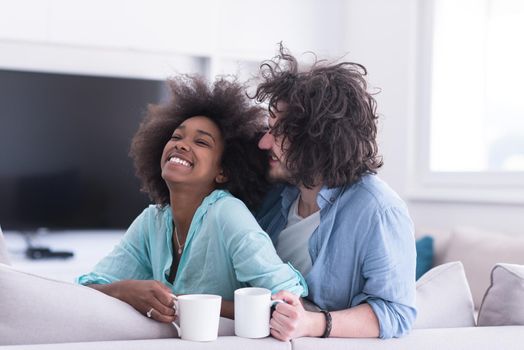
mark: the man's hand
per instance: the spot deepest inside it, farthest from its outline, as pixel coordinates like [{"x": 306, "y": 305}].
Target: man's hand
[
  {"x": 143, "y": 296},
  {"x": 290, "y": 320}
]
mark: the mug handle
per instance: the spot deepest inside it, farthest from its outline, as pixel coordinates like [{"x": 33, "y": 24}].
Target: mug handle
[
  {"x": 273, "y": 304},
  {"x": 175, "y": 306}
]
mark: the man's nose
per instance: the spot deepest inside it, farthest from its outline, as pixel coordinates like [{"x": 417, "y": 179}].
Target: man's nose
[{"x": 266, "y": 142}]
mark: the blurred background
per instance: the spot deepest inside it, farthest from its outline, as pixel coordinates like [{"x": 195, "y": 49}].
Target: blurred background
[{"x": 76, "y": 77}]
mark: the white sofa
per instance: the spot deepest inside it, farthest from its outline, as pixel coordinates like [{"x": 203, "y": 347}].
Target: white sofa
[{"x": 38, "y": 313}]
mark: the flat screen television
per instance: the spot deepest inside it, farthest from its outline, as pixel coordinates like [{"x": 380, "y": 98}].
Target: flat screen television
[{"x": 64, "y": 145}]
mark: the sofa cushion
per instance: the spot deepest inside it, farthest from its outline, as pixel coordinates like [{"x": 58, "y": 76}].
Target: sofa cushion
[
  {"x": 464, "y": 338},
  {"x": 444, "y": 299},
  {"x": 40, "y": 310},
  {"x": 424, "y": 248},
  {"x": 4, "y": 259},
  {"x": 479, "y": 251},
  {"x": 503, "y": 303}
]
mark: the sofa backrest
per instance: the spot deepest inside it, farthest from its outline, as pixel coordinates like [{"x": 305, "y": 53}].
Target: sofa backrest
[
  {"x": 478, "y": 250},
  {"x": 440, "y": 242}
]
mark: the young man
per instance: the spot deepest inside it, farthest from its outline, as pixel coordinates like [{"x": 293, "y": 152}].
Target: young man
[{"x": 332, "y": 218}]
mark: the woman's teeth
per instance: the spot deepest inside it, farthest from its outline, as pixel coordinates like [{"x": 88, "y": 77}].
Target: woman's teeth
[{"x": 177, "y": 160}]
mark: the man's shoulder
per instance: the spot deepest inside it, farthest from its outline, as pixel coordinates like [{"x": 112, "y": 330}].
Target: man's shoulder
[{"x": 370, "y": 192}]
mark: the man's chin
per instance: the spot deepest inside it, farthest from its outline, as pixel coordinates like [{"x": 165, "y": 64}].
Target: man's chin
[{"x": 278, "y": 177}]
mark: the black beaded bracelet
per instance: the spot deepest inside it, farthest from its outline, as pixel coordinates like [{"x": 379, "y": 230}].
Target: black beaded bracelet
[{"x": 327, "y": 331}]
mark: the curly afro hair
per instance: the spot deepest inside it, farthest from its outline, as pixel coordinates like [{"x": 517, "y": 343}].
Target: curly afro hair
[
  {"x": 240, "y": 122},
  {"x": 329, "y": 119}
]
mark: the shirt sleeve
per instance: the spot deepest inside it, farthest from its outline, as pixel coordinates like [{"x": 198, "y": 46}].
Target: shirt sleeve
[
  {"x": 252, "y": 253},
  {"x": 389, "y": 271},
  {"x": 129, "y": 258}
]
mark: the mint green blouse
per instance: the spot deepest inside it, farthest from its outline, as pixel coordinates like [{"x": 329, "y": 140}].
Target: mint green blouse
[{"x": 225, "y": 249}]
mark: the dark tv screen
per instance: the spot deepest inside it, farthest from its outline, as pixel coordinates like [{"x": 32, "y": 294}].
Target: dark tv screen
[{"x": 64, "y": 145}]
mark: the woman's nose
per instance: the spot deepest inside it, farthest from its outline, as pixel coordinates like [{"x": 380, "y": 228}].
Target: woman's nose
[{"x": 180, "y": 145}]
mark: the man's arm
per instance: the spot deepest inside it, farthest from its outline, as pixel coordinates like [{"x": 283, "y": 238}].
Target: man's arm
[{"x": 291, "y": 321}]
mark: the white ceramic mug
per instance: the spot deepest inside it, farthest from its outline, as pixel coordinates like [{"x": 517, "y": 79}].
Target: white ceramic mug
[
  {"x": 252, "y": 312},
  {"x": 199, "y": 316}
]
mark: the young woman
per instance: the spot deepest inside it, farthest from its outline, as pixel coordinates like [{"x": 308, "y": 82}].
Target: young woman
[{"x": 195, "y": 155}]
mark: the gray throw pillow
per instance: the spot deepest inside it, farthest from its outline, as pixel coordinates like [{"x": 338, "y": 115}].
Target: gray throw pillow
[
  {"x": 444, "y": 299},
  {"x": 40, "y": 310},
  {"x": 503, "y": 303}
]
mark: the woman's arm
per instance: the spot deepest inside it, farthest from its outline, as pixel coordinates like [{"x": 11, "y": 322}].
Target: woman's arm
[
  {"x": 143, "y": 296},
  {"x": 126, "y": 273},
  {"x": 254, "y": 258}
]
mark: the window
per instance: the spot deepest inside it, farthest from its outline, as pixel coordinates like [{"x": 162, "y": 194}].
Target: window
[{"x": 471, "y": 100}]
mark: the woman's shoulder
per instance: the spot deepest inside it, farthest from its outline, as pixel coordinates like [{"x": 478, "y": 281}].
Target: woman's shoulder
[
  {"x": 155, "y": 210},
  {"x": 227, "y": 202},
  {"x": 229, "y": 210},
  {"x": 154, "y": 216}
]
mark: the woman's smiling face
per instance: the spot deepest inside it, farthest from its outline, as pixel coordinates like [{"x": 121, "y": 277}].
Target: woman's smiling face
[{"x": 193, "y": 155}]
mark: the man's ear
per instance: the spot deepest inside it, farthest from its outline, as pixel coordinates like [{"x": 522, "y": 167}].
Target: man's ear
[{"x": 221, "y": 177}]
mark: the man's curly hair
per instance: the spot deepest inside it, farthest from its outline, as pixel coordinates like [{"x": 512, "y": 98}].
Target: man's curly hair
[
  {"x": 329, "y": 119},
  {"x": 240, "y": 123}
]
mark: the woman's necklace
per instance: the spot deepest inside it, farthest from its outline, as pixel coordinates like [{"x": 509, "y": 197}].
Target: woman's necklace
[{"x": 180, "y": 247}]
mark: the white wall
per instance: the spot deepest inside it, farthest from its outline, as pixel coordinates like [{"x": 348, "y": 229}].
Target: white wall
[
  {"x": 144, "y": 39},
  {"x": 382, "y": 35},
  {"x": 136, "y": 39}
]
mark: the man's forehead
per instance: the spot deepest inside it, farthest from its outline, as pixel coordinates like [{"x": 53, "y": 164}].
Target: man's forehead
[
  {"x": 278, "y": 111},
  {"x": 273, "y": 118},
  {"x": 281, "y": 105}
]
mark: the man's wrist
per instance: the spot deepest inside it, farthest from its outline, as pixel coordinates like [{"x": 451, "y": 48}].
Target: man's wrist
[
  {"x": 317, "y": 324},
  {"x": 327, "y": 330}
]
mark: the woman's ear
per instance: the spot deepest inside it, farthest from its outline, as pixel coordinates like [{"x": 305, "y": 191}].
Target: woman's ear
[{"x": 221, "y": 177}]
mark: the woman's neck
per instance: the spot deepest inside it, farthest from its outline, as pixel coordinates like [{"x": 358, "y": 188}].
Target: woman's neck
[{"x": 184, "y": 203}]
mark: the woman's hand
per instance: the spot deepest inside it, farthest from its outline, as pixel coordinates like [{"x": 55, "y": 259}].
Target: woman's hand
[{"x": 145, "y": 296}]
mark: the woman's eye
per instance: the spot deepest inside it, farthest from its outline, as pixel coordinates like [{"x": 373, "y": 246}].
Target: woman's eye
[
  {"x": 175, "y": 137},
  {"x": 202, "y": 143}
]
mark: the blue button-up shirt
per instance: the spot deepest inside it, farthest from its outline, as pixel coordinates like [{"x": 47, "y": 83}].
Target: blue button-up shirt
[{"x": 362, "y": 251}]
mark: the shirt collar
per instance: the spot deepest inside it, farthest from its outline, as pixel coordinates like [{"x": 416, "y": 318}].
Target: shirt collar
[
  {"x": 202, "y": 208},
  {"x": 328, "y": 195},
  {"x": 325, "y": 196},
  {"x": 289, "y": 194}
]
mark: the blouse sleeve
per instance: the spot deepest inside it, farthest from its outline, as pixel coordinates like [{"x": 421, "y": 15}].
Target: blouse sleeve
[
  {"x": 129, "y": 258},
  {"x": 254, "y": 258}
]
